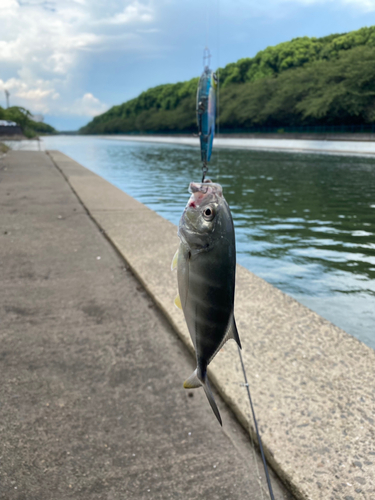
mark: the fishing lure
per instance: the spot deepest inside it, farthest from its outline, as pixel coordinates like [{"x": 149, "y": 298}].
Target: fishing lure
[{"x": 206, "y": 111}]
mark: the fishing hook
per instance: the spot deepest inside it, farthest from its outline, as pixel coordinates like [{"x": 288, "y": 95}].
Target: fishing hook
[{"x": 204, "y": 171}]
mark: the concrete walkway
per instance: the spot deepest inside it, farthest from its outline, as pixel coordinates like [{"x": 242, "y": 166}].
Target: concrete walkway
[{"x": 91, "y": 397}]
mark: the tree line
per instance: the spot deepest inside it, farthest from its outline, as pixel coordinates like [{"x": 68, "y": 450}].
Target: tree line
[
  {"x": 23, "y": 118},
  {"x": 306, "y": 81}
]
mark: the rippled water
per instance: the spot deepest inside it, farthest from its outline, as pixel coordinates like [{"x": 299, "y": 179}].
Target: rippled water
[{"x": 304, "y": 222}]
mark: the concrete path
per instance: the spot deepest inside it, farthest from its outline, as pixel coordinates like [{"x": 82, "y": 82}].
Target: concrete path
[{"x": 91, "y": 397}]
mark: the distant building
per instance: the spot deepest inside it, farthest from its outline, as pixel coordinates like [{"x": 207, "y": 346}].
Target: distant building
[
  {"x": 7, "y": 123},
  {"x": 9, "y": 128}
]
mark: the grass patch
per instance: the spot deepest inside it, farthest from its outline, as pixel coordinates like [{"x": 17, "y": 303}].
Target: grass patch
[{"x": 4, "y": 148}]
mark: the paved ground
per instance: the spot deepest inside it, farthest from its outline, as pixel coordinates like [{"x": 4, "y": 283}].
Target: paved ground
[{"x": 91, "y": 397}]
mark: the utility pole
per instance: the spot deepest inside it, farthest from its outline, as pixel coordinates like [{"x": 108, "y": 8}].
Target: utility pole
[{"x": 7, "y": 94}]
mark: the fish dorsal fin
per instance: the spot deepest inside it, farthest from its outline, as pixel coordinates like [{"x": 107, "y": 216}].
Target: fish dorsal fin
[
  {"x": 177, "y": 302},
  {"x": 174, "y": 261},
  {"x": 232, "y": 332}
]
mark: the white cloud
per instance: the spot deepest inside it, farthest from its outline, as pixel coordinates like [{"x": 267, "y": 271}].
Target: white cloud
[
  {"x": 41, "y": 97},
  {"x": 35, "y": 96},
  {"x": 254, "y": 8},
  {"x": 44, "y": 42},
  {"x": 52, "y": 37},
  {"x": 364, "y": 5},
  {"x": 88, "y": 105},
  {"x": 360, "y": 5},
  {"x": 134, "y": 12}
]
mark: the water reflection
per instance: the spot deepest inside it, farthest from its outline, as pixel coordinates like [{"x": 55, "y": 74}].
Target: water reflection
[{"x": 304, "y": 222}]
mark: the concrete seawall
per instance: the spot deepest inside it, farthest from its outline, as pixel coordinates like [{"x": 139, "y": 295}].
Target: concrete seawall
[{"x": 312, "y": 384}]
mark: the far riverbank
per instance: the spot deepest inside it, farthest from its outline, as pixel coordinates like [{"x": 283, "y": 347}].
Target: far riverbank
[{"x": 365, "y": 147}]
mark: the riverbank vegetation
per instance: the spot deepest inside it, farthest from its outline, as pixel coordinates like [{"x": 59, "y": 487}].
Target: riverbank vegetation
[
  {"x": 23, "y": 118},
  {"x": 304, "y": 82},
  {"x": 3, "y": 148}
]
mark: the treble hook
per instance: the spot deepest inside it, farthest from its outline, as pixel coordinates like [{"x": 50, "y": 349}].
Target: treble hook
[{"x": 204, "y": 171}]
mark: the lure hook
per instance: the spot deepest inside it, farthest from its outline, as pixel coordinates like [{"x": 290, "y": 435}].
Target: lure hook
[{"x": 204, "y": 171}]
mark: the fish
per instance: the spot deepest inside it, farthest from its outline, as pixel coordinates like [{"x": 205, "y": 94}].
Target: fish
[{"x": 206, "y": 269}]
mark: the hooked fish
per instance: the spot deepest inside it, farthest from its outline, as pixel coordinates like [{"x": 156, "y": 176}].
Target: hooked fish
[{"x": 206, "y": 265}]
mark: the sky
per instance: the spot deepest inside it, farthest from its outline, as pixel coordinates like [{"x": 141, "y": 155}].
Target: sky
[{"x": 71, "y": 60}]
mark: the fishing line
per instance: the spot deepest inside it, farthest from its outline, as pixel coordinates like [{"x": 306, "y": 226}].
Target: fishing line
[
  {"x": 218, "y": 78},
  {"x": 256, "y": 427},
  {"x": 205, "y": 169},
  {"x": 207, "y": 22},
  {"x": 255, "y": 459},
  {"x": 239, "y": 350}
]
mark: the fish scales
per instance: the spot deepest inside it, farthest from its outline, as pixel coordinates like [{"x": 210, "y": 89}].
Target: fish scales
[
  {"x": 206, "y": 266},
  {"x": 207, "y": 301}
]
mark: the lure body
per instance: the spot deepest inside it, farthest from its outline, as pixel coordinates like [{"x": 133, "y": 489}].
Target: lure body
[{"x": 206, "y": 112}]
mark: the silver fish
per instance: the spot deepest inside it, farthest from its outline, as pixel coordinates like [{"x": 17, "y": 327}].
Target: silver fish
[{"x": 206, "y": 266}]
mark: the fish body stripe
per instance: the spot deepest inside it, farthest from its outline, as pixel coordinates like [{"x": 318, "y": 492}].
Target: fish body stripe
[{"x": 209, "y": 296}]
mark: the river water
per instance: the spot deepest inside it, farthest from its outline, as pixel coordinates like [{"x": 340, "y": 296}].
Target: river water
[{"x": 304, "y": 222}]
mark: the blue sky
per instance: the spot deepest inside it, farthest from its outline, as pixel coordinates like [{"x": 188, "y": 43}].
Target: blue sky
[{"x": 73, "y": 59}]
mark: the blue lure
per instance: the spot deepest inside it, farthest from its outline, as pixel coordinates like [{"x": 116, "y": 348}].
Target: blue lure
[{"x": 206, "y": 113}]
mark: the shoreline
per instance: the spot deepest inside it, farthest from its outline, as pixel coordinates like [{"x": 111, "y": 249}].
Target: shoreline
[
  {"x": 334, "y": 147},
  {"x": 278, "y": 143}
]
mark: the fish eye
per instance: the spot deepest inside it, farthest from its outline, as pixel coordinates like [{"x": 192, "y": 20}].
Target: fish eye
[{"x": 209, "y": 213}]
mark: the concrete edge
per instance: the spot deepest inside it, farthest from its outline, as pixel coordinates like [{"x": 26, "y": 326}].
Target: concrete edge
[{"x": 306, "y": 368}]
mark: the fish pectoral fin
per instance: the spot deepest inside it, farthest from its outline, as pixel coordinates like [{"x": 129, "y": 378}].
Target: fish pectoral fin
[
  {"x": 232, "y": 332},
  {"x": 193, "y": 381},
  {"x": 174, "y": 261},
  {"x": 177, "y": 302}
]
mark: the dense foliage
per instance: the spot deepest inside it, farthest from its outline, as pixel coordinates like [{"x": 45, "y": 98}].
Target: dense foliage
[
  {"x": 22, "y": 117},
  {"x": 307, "y": 81}
]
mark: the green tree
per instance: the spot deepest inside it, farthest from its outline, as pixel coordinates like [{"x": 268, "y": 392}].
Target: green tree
[{"x": 306, "y": 81}]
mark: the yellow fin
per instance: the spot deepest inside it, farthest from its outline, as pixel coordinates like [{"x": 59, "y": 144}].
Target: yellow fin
[
  {"x": 174, "y": 261},
  {"x": 177, "y": 302},
  {"x": 192, "y": 382}
]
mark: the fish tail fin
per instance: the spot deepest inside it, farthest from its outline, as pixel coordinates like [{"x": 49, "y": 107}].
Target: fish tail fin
[
  {"x": 211, "y": 399},
  {"x": 195, "y": 381}
]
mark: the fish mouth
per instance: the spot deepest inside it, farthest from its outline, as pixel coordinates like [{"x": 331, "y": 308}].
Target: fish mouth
[
  {"x": 194, "y": 230},
  {"x": 202, "y": 192}
]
